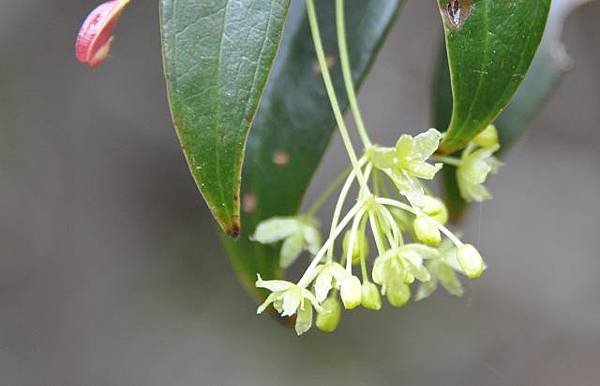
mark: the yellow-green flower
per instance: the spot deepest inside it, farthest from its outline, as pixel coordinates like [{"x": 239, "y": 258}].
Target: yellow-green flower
[
  {"x": 289, "y": 299},
  {"x": 473, "y": 170},
  {"x": 402, "y": 265},
  {"x": 407, "y": 162},
  {"x": 298, "y": 234}
]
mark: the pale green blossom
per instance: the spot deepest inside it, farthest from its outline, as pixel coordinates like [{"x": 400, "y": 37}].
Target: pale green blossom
[
  {"x": 444, "y": 270},
  {"x": 407, "y": 162},
  {"x": 289, "y": 299},
  {"x": 473, "y": 170},
  {"x": 402, "y": 265},
  {"x": 328, "y": 276},
  {"x": 298, "y": 234}
]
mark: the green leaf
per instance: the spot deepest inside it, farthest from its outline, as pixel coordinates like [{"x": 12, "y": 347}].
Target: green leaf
[
  {"x": 547, "y": 69},
  {"x": 549, "y": 65},
  {"x": 490, "y": 45},
  {"x": 217, "y": 57},
  {"x": 294, "y": 124}
]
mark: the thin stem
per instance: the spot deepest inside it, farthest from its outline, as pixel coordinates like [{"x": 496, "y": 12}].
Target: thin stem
[
  {"x": 314, "y": 208},
  {"x": 339, "y": 205},
  {"x": 305, "y": 279},
  {"x": 376, "y": 235},
  {"x": 352, "y": 241},
  {"x": 390, "y": 202},
  {"x": 363, "y": 258},
  {"x": 347, "y": 73},
  {"x": 337, "y": 112},
  {"x": 393, "y": 225},
  {"x": 363, "y": 269},
  {"x": 447, "y": 160}
]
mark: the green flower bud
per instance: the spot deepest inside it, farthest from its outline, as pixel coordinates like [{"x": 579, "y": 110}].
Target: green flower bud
[
  {"x": 370, "y": 296},
  {"x": 329, "y": 317},
  {"x": 360, "y": 249},
  {"x": 304, "y": 317},
  {"x": 351, "y": 292},
  {"x": 470, "y": 261},
  {"x": 488, "y": 137},
  {"x": 427, "y": 231},
  {"x": 435, "y": 208},
  {"x": 398, "y": 294}
]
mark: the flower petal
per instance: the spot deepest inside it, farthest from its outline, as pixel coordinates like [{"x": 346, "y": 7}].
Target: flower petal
[
  {"x": 449, "y": 280},
  {"x": 291, "y": 301},
  {"x": 323, "y": 284},
  {"x": 276, "y": 229},
  {"x": 426, "y": 289},
  {"x": 418, "y": 250},
  {"x": 273, "y": 285},
  {"x": 425, "y": 144},
  {"x": 270, "y": 299},
  {"x": 383, "y": 158},
  {"x": 404, "y": 146},
  {"x": 312, "y": 238},
  {"x": 291, "y": 249},
  {"x": 423, "y": 170},
  {"x": 304, "y": 318}
]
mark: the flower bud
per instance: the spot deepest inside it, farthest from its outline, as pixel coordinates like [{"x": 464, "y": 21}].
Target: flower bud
[
  {"x": 435, "y": 208},
  {"x": 470, "y": 261},
  {"x": 398, "y": 294},
  {"x": 427, "y": 230},
  {"x": 329, "y": 317},
  {"x": 351, "y": 292},
  {"x": 95, "y": 35},
  {"x": 370, "y": 296},
  {"x": 488, "y": 137},
  {"x": 360, "y": 249}
]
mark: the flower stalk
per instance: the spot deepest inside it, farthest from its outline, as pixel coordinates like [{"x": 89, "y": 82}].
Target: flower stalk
[{"x": 406, "y": 223}]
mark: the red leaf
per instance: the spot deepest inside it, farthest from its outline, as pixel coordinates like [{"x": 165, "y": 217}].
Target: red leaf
[{"x": 95, "y": 35}]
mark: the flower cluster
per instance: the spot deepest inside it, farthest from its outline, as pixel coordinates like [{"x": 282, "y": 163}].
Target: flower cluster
[{"x": 406, "y": 224}]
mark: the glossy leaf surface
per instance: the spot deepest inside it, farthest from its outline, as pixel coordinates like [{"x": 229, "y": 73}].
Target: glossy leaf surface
[
  {"x": 217, "y": 57},
  {"x": 490, "y": 45}
]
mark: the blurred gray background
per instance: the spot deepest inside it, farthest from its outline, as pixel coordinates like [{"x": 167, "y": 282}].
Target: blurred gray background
[{"x": 110, "y": 269}]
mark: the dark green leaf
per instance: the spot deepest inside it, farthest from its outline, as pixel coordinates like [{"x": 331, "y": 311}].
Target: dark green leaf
[
  {"x": 294, "y": 123},
  {"x": 217, "y": 57},
  {"x": 490, "y": 45},
  {"x": 549, "y": 65}
]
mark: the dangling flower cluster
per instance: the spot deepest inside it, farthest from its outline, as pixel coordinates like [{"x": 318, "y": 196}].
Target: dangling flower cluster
[
  {"x": 406, "y": 224},
  {"x": 394, "y": 209}
]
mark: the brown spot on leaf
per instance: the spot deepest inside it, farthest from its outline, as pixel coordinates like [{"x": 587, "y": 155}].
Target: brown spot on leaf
[
  {"x": 281, "y": 158},
  {"x": 249, "y": 202},
  {"x": 457, "y": 12},
  {"x": 234, "y": 230},
  {"x": 330, "y": 59}
]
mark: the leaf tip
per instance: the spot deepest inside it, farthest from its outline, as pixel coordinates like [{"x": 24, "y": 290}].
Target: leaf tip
[{"x": 233, "y": 229}]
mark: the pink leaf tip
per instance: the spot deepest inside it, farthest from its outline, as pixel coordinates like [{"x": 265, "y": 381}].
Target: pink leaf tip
[{"x": 95, "y": 35}]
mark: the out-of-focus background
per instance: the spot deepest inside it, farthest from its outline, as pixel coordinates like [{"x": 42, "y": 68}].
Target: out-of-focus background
[{"x": 111, "y": 272}]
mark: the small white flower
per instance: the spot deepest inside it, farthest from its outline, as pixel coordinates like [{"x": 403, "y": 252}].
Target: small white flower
[
  {"x": 289, "y": 299},
  {"x": 408, "y": 161},
  {"x": 329, "y": 276},
  {"x": 298, "y": 234},
  {"x": 473, "y": 170}
]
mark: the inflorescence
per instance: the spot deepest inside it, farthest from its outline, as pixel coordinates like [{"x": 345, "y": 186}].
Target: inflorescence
[{"x": 393, "y": 208}]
